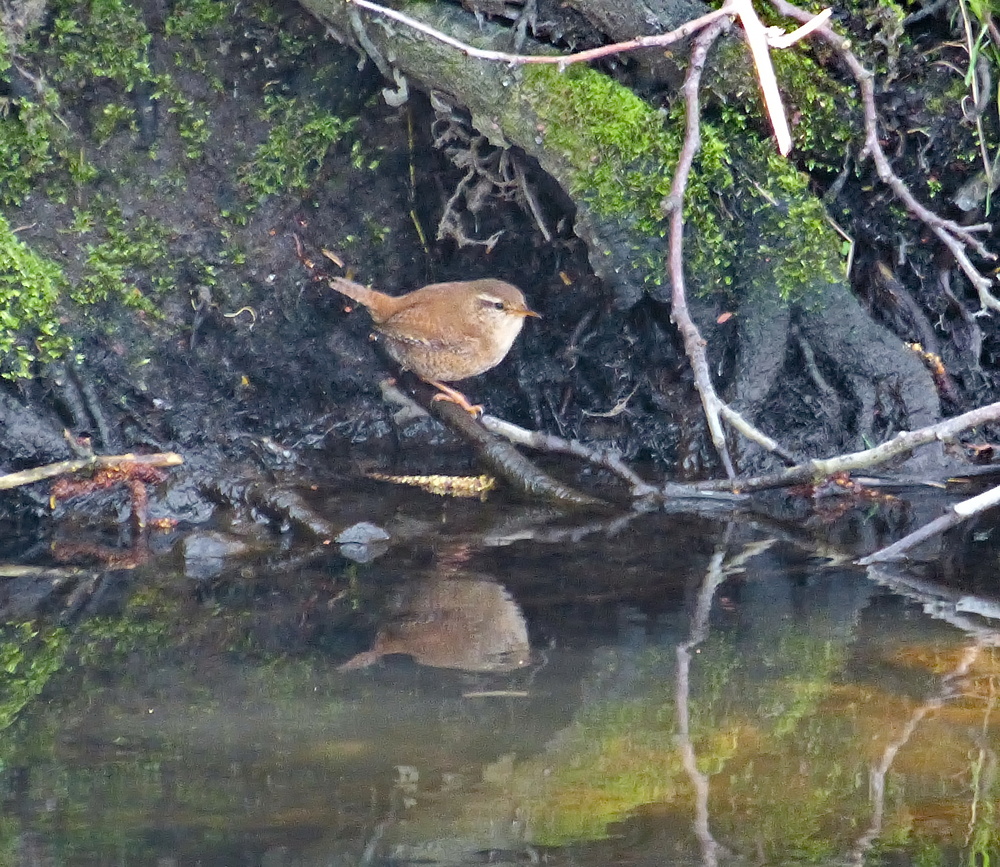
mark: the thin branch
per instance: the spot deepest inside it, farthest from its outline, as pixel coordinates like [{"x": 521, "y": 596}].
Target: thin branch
[
  {"x": 607, "y": 458},
  {"x": 955, "y": 237},
  {"x": 37, "y": 474},
  {"x": 753, "y": 434},
  {"x": 694, "y": 343},
  {"x": 756, "y": 35},
  {"x": 901, "y": 444},
  {"x": 787, "y": 40},
  {"x": 956, "y": 514},
  {"x": 710, "y": 26},
  {"x": 658, "y": 41}
]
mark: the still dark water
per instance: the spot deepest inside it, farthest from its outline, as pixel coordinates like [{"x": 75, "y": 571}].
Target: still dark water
[{"x": 498, "y": 685}]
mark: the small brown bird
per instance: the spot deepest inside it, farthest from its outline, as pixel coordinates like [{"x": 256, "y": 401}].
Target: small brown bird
[{"x": 446, "y": 331}]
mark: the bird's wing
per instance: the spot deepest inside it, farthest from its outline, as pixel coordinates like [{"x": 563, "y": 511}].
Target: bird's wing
[{"x": 407, "y": 326}]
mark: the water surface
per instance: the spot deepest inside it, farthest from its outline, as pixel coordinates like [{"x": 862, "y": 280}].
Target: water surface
[{"x": 501, "y": 686}]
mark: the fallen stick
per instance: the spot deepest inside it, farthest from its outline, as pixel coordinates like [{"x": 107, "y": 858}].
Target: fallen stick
[
  {"x": 901, "y": 444},
  {"x": 955, "y": 515},
  {"x": 61, "y": 468}
]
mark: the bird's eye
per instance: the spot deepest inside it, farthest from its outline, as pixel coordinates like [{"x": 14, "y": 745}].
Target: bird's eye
[{"x": 498, "y": 305}]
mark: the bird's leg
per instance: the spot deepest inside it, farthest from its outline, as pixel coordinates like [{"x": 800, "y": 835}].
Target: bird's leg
[{"x": 452, "y": 396}]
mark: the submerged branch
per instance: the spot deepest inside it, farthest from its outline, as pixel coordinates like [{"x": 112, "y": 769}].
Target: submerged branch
[
  {"x": 956, "y": 514},
  {"x": 507, "y": 462},
  {"x": 607, "y": 458}
]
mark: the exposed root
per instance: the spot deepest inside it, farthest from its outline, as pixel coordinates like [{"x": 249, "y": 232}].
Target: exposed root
[{"x": 491, "y": 173}]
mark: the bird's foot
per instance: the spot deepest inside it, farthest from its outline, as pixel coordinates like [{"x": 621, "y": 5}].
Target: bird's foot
[{"x": 453, "y": 396}]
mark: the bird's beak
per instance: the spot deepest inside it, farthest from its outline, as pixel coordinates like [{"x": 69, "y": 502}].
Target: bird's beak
[{"x": 527, "y": 312}]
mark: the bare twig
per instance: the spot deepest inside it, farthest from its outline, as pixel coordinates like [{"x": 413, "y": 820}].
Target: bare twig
[
  {"x": 753, "y": 434},
  {"x": 955, "y": 515},
  {"x": 694, "y": 343},
  {"x": 659, "y": 40},
  {"x": 954, "y": 236},
  {"x": 789, "y": 39},
  {"x": 901, "y": 444},
  {"x": 55, "y": 573},
  {"x": 37, "y": 474},
  {"x": 757, "y": 42},
  {"x": 607, "y": 458}
]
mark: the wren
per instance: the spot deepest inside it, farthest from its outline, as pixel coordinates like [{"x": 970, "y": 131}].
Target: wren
[{"x": 446, "y": 331}]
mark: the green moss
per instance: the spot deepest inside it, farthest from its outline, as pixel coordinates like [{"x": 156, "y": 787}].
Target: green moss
[
  {"x": 106, "y": 39},
  {"x": 105, "y": 45},
  {"x": 29, "y": 136},
  {"x": 301, "y": 134},
  {"x": 29, "y": 658},
  {"x": 192, "y": 123},
  {"x": 941, "y": 102},
  {"x": 29, "y": 294},
  {"x": 824, "y": 114},
  {"x": 196, "y": 19},
  {"x": 796, "y": 240},
  {"x": 622, "y": 155},
  {"x": 109, "y": 255},
  {"x": 619, "y": 153},
  {"x": 121, "y": 250},
  {"x": 27, "y": 148}
]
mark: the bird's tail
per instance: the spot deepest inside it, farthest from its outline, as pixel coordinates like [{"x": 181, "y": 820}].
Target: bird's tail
[{"x": 356, "y": 292}]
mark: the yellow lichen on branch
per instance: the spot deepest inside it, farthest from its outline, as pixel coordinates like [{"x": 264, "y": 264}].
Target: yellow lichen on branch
[{"x": 444, "y": 486}]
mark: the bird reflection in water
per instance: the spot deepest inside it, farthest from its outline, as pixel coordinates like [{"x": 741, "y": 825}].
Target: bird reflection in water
[{"x": 471, "y": 624}]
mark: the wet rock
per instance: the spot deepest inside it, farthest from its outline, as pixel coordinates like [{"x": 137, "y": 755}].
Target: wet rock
[
  {"x": 362, "y": 533},
  {"x": 363, "y": 542},
  {"x": 183, "y": 501}
]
